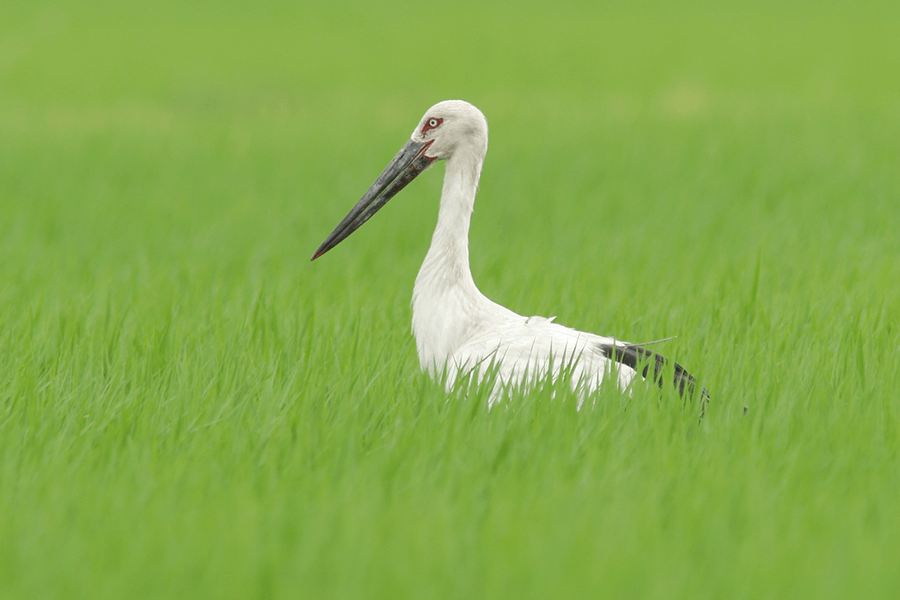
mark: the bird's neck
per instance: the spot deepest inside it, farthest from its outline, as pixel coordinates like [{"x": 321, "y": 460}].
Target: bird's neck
[
  {"x": 445, "y": 296},
  {"x": 447, "y": 261}
]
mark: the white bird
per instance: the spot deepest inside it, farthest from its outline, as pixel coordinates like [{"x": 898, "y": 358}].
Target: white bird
[{"x": 458, "y": 330}]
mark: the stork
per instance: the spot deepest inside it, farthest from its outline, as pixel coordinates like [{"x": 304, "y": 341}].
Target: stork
[{"x": 458, "y": 330}]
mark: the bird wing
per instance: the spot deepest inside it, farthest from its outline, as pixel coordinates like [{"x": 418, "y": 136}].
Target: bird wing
[{"x": 520, "y": 347}]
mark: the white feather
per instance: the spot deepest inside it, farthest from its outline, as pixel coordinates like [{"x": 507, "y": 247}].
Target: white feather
[{"x": 457, "y": 329}]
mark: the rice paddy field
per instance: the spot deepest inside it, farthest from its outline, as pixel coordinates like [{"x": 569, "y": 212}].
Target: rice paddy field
[{"x": 190, "y": 408}]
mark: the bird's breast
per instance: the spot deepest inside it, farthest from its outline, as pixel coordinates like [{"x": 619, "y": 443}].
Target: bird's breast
[{"x": 443, "y": 321}]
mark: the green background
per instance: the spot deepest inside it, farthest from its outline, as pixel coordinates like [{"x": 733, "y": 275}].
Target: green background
[{"x": 189, "y": 408}]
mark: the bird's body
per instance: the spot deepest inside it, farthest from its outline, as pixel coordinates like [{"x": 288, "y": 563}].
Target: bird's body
[{"x": 458, "y": 330}]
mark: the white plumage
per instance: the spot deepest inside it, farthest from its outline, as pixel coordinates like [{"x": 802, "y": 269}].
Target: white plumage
[{"x": 457, "y": 329}]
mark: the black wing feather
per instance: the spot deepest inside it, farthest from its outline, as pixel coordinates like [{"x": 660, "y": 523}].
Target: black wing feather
[{"x": 634, "y": 356}]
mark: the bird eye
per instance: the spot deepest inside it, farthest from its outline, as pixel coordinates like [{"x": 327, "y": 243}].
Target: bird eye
[{"x": 432, "y": 123}]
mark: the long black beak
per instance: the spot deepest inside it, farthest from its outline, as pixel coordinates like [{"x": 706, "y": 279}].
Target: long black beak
[{"x": 404, "y": 167}]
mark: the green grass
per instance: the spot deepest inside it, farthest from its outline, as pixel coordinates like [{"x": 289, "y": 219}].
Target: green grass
[{"x": 189, "y": 408}]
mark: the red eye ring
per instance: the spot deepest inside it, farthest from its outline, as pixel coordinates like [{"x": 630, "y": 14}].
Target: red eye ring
[{"x": 432, "y": 123}]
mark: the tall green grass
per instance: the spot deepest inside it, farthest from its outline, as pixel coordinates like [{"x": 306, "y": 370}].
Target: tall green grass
[{"x": 189, "y": 408}]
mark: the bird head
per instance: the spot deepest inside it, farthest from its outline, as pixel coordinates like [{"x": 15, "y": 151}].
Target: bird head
[
  {"x": 450, "y": 125},
  {"x": 448, "y": 128}
]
